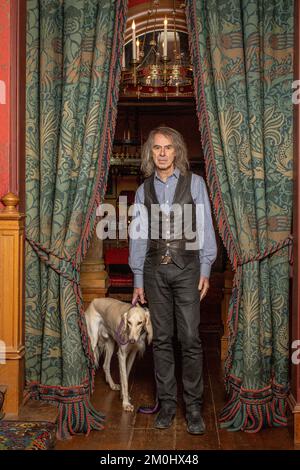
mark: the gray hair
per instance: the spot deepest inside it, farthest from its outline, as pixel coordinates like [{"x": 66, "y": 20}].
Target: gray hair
[{"x": 181, "y": 158}]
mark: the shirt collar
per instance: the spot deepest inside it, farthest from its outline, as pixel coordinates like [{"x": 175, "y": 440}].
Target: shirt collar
[{"x": 175, "y": 173}]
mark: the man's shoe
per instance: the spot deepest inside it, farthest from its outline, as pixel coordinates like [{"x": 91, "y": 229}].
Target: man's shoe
[
  {"x": 165, "y": 417},
  {"x": 195, "y": 423}
]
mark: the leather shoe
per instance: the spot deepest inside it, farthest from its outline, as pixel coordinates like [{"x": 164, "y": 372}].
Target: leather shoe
[
  {"x": 165, "y": 417},
  {"x": 195, "y": 423}
]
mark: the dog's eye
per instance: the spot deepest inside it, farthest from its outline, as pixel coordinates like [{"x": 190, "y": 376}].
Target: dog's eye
[{"x": 140, "y": 323}]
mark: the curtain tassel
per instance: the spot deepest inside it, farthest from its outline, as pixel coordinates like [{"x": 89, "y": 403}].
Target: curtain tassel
[
  {"x": 78, "y": 417},
  {"x": 252, "y": 413}
]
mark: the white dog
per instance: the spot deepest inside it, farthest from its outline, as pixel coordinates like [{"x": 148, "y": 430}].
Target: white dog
[{"x": 109, "y": 321}]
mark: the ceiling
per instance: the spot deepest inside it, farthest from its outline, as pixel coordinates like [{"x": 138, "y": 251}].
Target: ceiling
[
  {"x": 138, "y": 11},
  {"x": 132, "y": 3}
]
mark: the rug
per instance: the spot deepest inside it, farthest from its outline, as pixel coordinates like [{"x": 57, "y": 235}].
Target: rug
[{"x": 27, "y": 435}]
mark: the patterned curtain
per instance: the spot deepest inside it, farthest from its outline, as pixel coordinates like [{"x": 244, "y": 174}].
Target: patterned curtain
[
  {"x": 242, "y": 55},
  {"x": 73, "y": 72}
]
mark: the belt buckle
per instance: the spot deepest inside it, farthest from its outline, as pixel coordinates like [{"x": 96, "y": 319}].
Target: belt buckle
[{"x": 166, "y": 259}]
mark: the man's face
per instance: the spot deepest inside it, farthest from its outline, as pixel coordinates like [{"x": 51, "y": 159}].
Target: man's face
[{"x": 163, "y": 152}]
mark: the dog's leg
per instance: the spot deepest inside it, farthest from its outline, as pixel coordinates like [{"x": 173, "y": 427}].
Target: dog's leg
[
  {"x": 123, "y": 379},
  {"x": 130, "y": 361},
  {"x": 109, "y": 349}
]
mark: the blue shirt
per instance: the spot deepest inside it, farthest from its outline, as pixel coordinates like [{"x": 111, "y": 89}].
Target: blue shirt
[{"x": 165, "y": 193}]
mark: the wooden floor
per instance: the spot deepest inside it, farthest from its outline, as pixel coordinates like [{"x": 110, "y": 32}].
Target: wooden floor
[{"x": 133, "y": 431}]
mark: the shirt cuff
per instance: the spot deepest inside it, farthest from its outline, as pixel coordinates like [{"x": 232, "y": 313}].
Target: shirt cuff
[
  {"x": 205, "y": 269},
  {"x": 138, "y": 280}
]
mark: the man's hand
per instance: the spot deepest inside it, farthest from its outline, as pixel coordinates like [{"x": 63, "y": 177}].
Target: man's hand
[
  {"x": 138, "y": 295},
  {"x": 203, "y": 286}
]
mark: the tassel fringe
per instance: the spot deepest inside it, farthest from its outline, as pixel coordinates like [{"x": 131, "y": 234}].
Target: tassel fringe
[
  {"x": 252, "y": 410},
  {"x": 78, "y": 418}
]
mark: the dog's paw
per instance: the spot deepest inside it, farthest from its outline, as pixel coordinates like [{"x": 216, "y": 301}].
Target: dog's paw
[
  {"x": 128, "y": 407},
  {"x": 115, "y": 387}
]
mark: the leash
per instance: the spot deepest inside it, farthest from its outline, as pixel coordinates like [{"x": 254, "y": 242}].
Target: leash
[{"x": 149, "y": 409}]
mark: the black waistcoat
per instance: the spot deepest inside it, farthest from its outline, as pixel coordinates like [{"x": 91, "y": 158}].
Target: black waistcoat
[{"x": 179, "y": 242}]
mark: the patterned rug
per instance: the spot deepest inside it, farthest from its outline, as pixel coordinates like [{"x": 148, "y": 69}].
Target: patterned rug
[{"x": 31, "y": 435}]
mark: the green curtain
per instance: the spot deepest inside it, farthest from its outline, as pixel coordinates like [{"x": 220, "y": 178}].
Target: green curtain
[
  {"x": 73, "y": 72},
  {"x": 242, "y": 53}
]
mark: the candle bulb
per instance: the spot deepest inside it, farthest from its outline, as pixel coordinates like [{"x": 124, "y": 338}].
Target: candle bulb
[
  {"x": 123, "y": 58},
  {"x": 133, "y": 42},
  {"x": 165, "y": 50},
  {"x": 138, "y": 49}
]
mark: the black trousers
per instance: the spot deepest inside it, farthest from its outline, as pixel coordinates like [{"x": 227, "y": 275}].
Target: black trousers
[{"x": 173, "y": 295}]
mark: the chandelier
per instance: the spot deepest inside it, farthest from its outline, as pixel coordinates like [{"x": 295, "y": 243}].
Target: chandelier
[{"x": 156, "y": 63}]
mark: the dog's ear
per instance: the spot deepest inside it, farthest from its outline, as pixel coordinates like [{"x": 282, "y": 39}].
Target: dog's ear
[
  {"x": 124, "y": 317},
  {"x": 148, "y": 326}
]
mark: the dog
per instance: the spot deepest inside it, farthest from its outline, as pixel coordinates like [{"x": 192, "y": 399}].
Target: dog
[{"x": 111, "y": 321}]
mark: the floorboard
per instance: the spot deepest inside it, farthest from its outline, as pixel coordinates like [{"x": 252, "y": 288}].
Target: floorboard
[{"x": 135, "y": 431}]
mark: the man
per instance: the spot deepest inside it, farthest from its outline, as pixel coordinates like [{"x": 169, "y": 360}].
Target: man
[{"x": 171, "y": 259}]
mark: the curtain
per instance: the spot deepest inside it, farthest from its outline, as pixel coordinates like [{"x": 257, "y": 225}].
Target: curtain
[
  {"x": 242, "y": 54},
  {"x": 73, "y": 72}
]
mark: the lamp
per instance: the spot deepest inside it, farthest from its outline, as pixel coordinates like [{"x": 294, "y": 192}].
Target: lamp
[{"x": 157, "y": 62}]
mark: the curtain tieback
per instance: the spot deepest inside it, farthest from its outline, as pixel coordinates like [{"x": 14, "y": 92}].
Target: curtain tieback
[
  {"x": 288, "y": 241},
  {"x": 44, "y": 254}
]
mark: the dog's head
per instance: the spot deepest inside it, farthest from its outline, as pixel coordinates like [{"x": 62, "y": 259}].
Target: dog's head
[{"x": 137, "y": 320}]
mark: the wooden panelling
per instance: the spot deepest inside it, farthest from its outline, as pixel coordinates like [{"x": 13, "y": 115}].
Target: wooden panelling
[
  {"x": 11, "y": 303},
  {"x": 93, "y": 277}
]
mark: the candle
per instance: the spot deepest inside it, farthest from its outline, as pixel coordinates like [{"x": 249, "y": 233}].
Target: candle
[
  {"x": 138, "y": 49},
  {"x": 165, "y": 51},
  {"x": 133, "y": 42},
  {"x": 123, "y": 58}
]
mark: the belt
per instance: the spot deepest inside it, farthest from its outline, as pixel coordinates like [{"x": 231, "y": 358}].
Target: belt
[{"x": 166, "y": 259}]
